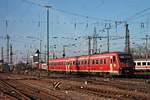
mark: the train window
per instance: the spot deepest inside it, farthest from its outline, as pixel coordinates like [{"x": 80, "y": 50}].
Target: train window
[
  {"x": 97, "y": 61},
  {"x": 104, "y": 61},
  {"x": 89, "y": 61},
  {"x": 74, "y": 62},
  {"x": 78, "y": 62},
  {"x": 82, "y": 62},
  {"x": 139, "y": 63},
  {"x": 144, "y": 63},
  {"x": 114, "y": 58},
  {"x": 148, "y": 63},
  {"x": 111, "y": 60},
  {"x": 93, "y": 62},
  {"x": 101, "y": 61},
  {"x": 85, "y": 62}
]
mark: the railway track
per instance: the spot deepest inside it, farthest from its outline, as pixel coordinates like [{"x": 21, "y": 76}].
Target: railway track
[
  {"x": 127, "y": 88},
  {"x": 109, "y": 88},
  {"x": 120, "y": 88},
  {"x": 32, "y": 92},
  {"x": 130, "y": 85},
  {"x": 12, "y": 91},
  {"x": 109, "y": 92},
  {"x": 121, "y": 83},
  {"x": 14, "y": 87}
]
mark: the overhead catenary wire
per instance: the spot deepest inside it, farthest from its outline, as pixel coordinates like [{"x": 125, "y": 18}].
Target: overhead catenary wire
[
  {"x": 71, "y": 13},
  {"x": 34, "y": 2},
  {"x": 67, "y": 12},
  {"x": 137, "y": 14}
]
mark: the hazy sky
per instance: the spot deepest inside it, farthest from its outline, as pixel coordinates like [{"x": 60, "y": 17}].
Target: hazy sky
[{"x": 71, "y": 21}]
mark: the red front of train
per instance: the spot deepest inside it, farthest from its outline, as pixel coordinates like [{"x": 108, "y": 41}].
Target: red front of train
[{"x": 113, "y": 63}]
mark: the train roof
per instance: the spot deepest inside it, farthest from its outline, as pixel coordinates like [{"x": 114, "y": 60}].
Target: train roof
[
  {"x": 86, "y": 56},
  {"x": 141, "y": 60},
  {"x": 114, "y": 52}
]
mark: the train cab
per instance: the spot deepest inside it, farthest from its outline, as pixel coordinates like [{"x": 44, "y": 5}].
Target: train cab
[{"x": 126, "y": 63}]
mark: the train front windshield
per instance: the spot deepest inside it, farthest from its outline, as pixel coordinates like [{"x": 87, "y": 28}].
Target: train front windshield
[{"x": 126, "y": 59}]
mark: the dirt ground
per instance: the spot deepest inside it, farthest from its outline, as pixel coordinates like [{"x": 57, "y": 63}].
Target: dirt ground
[{"x": 18, "y": 86}]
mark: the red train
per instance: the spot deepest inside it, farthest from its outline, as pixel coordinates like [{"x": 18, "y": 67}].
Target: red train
[{"x": 113, "y": 62}]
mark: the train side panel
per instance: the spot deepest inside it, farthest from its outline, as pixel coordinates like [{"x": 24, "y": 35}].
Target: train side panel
[
  {"x": 142, "y": 65},
  {"x": 107, "y": 63}
]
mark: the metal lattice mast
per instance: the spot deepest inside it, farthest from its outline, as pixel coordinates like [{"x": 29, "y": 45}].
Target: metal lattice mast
[
  {"x": 11, "y": 54},
  {"x": 127, "y": 39},
  {"x": 146, "y": 47},
  {"x": 7, "y": 37},
  {"x": 94, "y": 41},
  {"x": 2, "y": 55}
]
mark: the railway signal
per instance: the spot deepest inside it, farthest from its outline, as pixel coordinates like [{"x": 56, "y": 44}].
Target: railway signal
[{"x": 64, "y": 49}]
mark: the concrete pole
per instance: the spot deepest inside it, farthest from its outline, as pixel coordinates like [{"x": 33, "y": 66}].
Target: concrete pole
[
  {"x": 48, "y": 7},
  {"x": 146, "y": 47}
]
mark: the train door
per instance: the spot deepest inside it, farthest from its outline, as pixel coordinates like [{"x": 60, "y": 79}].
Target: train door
[
  {"x": 111, "y": 64},
  {"x": 68, "y": 67},
  {"x": 88, "y": 67}
]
